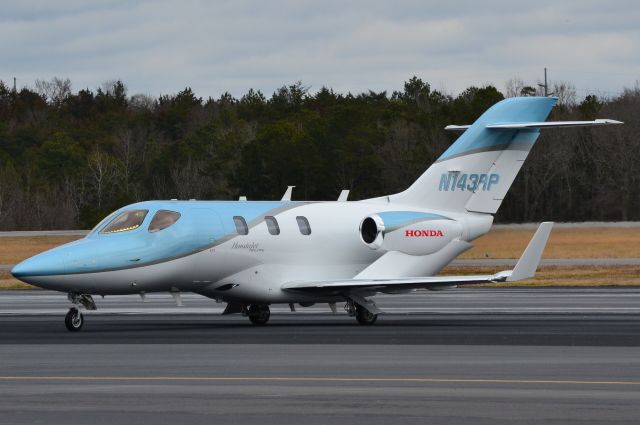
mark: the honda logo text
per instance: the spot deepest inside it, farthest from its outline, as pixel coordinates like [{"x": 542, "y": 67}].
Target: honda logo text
[{"x": 423, "y": 233}]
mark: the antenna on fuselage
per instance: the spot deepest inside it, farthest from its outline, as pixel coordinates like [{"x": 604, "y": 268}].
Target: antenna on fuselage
[
  {"x": 175, "y": 293},
  {"x": 343, "y": 196},
  {"x": 287, "y": 194},
  {"x": 242, "y": 198}
]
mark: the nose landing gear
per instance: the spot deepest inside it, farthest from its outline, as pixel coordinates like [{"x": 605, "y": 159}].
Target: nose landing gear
[{"x": 74, "y": 320}]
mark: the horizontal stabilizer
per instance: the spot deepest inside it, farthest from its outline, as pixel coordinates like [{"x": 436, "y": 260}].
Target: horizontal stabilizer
[
  {"x": 550, "y": 124},
  {"x": 524, "y": 269},
  {"x": 540, "y": 124},
  {"x": 453, "y": 127}
]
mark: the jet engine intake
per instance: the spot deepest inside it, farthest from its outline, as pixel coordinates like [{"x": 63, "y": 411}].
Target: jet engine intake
[{"x": 417, "y": 236}]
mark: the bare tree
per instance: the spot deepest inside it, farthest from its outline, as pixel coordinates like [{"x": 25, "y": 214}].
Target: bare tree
[
  {"x": 102, "y": 171},
  {"x": 565, "y": 92},
  {"x": 188, "y": 180},
  {"x": 513, "y": 87},
  {"x": 54, "y": 91}
]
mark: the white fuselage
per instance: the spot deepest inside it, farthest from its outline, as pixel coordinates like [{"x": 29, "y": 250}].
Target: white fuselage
[{"x": 253, "y": 267}]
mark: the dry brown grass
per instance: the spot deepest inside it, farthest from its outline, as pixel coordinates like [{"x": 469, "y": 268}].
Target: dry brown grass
[
  {"x": 15, "y": 249},
  {"x": 564, "y": 275},
  {"x": 597, "y": 242},
  {"x": 8, "y": 282}
]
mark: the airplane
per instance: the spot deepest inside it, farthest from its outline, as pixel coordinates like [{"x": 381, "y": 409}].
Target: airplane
[{"x": 252, "y": 254}]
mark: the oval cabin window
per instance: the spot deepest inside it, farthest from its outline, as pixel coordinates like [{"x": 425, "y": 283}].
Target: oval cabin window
[
  {"x": 241, "y": 225},
  {"x": 303, "y": 225},
  {"x": 272, "y": 225}
]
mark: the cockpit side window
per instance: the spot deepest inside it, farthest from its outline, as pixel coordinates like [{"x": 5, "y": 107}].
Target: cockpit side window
[
  {"x": 128, "y": 220},
  {"x": 162, "y": 220}
]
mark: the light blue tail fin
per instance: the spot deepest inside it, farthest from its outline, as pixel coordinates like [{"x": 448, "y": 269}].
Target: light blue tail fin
[{"x": 475, "y": 173}]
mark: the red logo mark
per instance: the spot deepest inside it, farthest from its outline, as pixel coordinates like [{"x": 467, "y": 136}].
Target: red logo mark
[{"x": 423, "y": 233}]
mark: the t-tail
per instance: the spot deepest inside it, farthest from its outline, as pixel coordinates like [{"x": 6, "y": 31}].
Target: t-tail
[{"x": 477, "y": 170}]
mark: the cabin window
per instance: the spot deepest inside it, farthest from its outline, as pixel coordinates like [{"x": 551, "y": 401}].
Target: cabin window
[
  {"x": 241, "y": 225},
  {"x": 126, "y": 221},
  {"x": 303, "y": 224},
  {"x": 163, "y": 219},
  {"x": 272, "y": 225}
]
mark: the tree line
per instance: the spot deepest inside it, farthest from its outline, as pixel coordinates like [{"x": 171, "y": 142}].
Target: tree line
[{"x": 69, "y": 158}]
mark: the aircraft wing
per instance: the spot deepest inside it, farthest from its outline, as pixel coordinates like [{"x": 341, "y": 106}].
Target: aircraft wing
[{"x": 524, "y": 269}]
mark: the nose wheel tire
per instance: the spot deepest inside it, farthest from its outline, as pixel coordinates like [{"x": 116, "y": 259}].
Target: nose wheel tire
[
  {"x": 74, "y": 320},
  {"x": 259, "y": 314},
  {"x": 364, "y": 316}
]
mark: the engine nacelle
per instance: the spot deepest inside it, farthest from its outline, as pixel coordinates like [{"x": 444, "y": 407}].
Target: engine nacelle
[{"x": 408, "y": 232}]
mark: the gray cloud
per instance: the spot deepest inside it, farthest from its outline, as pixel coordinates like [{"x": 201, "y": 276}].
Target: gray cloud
[{"x": 161, "y": 46}]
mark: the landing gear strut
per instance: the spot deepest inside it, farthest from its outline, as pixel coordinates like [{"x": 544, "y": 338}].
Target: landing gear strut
[
  {"x": 259, "y": 314},
  {"x": 74, "y": 320}
]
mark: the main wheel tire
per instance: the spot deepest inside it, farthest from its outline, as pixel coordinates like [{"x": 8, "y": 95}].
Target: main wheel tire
[
  {"x": 259, "y": 314},
  {"x": 365, "y": 317},
  {"x": 74, "y": 320}
]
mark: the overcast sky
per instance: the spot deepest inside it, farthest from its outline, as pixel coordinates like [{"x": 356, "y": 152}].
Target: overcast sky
[{"x": 161, "y": 47}]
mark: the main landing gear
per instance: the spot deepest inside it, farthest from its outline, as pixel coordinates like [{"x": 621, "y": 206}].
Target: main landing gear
[
  {"x": 74, "y": 319},
  {"x": 363, "y": 315},
  {"x": 259, "y": 314}
]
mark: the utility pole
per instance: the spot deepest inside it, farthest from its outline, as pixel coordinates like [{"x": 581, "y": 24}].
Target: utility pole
[
  {"x": 545, "y": 85},
  {"x": 14, "y": 85}
]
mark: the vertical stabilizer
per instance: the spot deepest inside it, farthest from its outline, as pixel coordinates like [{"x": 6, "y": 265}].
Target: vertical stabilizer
[{"x": 475, "y": 173}]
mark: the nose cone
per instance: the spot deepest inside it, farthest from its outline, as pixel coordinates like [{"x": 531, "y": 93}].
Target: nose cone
[{"x": 48, "y": 263}]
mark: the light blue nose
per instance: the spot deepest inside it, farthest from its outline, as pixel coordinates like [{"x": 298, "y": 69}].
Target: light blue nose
[{"x": 45, "y": 264}]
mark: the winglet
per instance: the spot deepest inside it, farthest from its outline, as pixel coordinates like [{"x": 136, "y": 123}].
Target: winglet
[{"x": 530, "y": 259}]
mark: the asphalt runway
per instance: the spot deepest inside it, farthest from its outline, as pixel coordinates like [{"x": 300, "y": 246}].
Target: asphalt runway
[{"x": 466, "y": 356}]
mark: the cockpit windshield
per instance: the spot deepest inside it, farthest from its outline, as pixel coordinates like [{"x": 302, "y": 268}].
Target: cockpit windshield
[
  {"x": 102, "y": 223},
  {"x": 128, "y": 220},
  {"x": 163, "y": 219}
]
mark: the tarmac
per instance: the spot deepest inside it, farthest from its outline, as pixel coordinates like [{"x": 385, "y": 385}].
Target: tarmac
[{"x": 465, "y": 356}]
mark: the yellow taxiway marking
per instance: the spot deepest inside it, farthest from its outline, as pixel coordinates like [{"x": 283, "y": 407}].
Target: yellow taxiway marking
[{"x": 311, "y": 379}]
